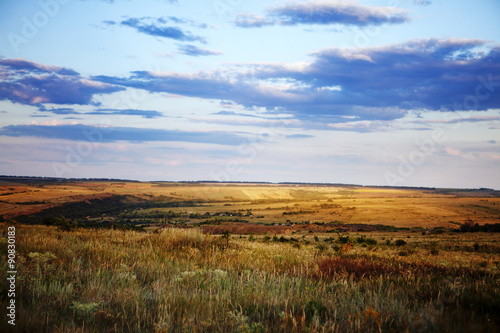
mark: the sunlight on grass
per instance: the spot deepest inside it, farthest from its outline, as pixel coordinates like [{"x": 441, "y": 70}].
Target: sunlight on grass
[{"x": 182, "y": 279}]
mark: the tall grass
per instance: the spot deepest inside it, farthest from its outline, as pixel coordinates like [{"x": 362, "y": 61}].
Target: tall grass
[{"x": 181, "y": 280}]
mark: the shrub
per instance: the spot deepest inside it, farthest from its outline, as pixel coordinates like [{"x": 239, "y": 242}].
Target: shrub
[
  {"x": 344, "y": 239},
  {"x": 400, "y": 242},
  {"x": 61, "y": 222},
  {"x": 361, "y": 239},
  {"x": 283, "y": 239}
]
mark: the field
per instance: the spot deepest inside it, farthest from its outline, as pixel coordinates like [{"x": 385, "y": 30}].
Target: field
[
  {"x": 268, "y": 203},
  {"x": 114, "y": 256}
]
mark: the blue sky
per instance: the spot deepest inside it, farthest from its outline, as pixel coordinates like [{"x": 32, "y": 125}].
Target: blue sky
[{"x": 394, "y": 92}]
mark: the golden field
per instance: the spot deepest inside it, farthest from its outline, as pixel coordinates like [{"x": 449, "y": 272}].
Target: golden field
[
  {"x": 352, "y": 204},
  {"x": 113, "y": 256}
]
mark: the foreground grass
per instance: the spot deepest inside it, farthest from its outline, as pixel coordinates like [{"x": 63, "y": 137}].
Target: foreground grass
[{"x": 180, "y": 280}]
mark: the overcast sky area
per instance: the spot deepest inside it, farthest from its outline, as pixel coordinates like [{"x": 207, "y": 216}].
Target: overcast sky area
[{"x": 392, "y": 92}]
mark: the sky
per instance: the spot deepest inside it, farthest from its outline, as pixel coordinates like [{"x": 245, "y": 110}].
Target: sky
[{"x": 390, "y": 92}]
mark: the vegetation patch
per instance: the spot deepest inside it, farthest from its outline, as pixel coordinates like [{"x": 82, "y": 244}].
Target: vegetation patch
[{"x": 356, "y": 268}]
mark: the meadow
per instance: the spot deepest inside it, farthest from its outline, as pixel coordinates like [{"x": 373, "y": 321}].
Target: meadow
[{"x": 172, "y": 258}]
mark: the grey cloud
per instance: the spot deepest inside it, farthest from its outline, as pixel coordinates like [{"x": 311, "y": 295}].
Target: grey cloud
[
  {"x": 323, "y": 12},
  {"x": 81, "y": 132}
]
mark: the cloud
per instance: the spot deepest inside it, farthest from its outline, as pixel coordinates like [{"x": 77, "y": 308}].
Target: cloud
[
  {"x": 324, "y": 12},
  {"x": 19, "y": 66},
  {"x": 370, "y": 83},
  {"x": 157, "y": 27},
  {"x": 80, "y": 132},
  {"x": 422, "y": 2},
  {"x": 363, "y": 126},
  {"x": 232, "y": 113},
  {"x": 148, "y": 114},
  {"x": 462, "y": 119},
  {"x": 59, "y": 111},
  {"x": 299, "y": 136},
  {"x": 27, "y": 82},
  {"x": 179, "y": 20},
  {"x": 264, "y": 117},
  {"x": 195, "y": 51}
]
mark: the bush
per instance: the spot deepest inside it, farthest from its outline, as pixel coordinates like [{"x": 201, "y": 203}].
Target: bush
[
  {"x": 400, "y": 242},
  {"x": 61, "y": 222},
  {"x": 361, "y": 239},
  {"x": 344, "y": 239},
  {"x": 283, "y": 239}
]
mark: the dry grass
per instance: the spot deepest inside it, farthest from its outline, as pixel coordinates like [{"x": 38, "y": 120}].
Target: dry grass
[{"x": 182, "y": 280}]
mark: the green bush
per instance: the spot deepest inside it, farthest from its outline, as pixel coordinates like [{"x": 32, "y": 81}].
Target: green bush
[{"x": 344, "y": 239}]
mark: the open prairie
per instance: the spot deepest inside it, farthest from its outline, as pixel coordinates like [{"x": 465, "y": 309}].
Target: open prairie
[
  {"x": 268, "y": 203},
  {"x": 113, "y": 256}
]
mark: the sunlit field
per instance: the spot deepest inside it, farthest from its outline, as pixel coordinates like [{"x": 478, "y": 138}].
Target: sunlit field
[{"x": 102, "y": 257}]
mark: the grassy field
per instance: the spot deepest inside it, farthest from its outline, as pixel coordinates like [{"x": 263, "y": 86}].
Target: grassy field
[
  {"x": 181, "y": 280},
  {"x": 399, "y": 207},
  {"x": 163, "y": 257}
]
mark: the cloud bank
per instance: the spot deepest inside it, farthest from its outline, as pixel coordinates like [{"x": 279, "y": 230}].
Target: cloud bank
[
  {"x": 27, "y": 82},
  {"x": 371, "y": 83},
  {"x": 80, "y": 132}
]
